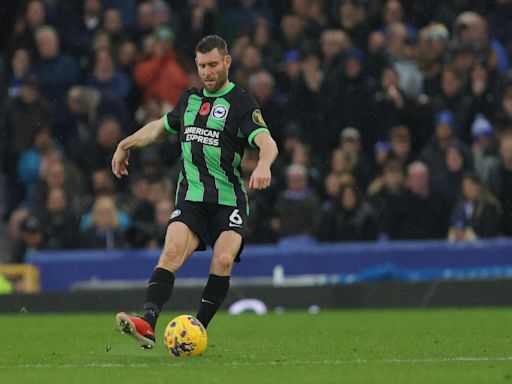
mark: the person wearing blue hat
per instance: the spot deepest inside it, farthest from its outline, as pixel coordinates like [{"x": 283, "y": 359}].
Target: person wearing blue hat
[
  {"x": 434, "y": 152},
  {"x": 485, "y": 152},
  {"x": 381, "y": 152}
]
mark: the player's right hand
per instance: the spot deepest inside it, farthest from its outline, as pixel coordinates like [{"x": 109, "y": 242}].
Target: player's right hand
[{"x": 120, "y": 162}]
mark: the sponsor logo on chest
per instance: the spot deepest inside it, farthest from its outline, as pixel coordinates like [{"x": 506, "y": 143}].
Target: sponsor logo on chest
[{"x": 202, "y": 135}]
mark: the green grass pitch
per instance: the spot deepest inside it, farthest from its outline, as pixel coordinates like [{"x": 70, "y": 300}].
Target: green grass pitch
[{"x": 367, "y": 346}]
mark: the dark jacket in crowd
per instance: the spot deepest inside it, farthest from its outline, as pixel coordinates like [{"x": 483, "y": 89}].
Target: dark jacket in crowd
[{"x": 359, "y": 224}]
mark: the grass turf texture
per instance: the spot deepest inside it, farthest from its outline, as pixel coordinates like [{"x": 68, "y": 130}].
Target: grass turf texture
[{"x": 371, "y": 346}]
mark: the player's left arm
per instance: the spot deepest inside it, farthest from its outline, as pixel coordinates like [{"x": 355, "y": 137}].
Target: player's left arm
[{"x": 261, "y": 176}]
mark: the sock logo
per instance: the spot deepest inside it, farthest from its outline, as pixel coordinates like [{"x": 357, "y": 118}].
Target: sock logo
[{"x": 206, "y": 301}]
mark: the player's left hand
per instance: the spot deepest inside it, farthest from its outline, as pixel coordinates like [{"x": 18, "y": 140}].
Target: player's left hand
[{"x": 261, "y": 176}]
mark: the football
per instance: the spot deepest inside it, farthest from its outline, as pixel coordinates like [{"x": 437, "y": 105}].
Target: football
[{"x": 185, "y": 336}]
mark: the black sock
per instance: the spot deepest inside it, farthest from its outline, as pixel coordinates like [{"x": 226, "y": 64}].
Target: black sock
[
  {"x": 213, "y": 295},
  {"x": 157, "y": 293}
]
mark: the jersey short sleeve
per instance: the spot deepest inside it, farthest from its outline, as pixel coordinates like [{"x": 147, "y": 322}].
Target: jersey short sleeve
[
  {"x": 251, "y": 122},
  {"x": 172, "y": 120}
]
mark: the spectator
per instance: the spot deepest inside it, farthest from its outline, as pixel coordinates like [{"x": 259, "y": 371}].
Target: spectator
[
  {"x": 103, "y": 231},
  {"x": 269, "y": 49},
  {"x": 394, "y": 13},
  {"x": 144, "y": 210},
  {"x": 433, "y": 40},
  {"x": 33, "y": 18},
  {"x": 299, "y": 99},
  {"x": 161, "y": 15},
  {"x": 377, "y": 57},
  {"x": 113, "y": 26},
  {"x": 503, "y": 113},
  {"x": 106, "y": 78},
  {"x": 447, "y": 184},
  {"x": 89, "y": 108},
  {"x": 29, "y": 164},
  {"x": 454, "y": 99},
  {"x": 434, "y": 153},
  {"x": 302, "y": 155},
  {"x": 352, "y": 18},
  {"x": 297, "y": 208},
  {"x": 20, "y": 67},
  {"x": 470, "y": 27},
  {"x": 59, "y": 221},
  {"x": 485, "y": 85},
  {"x": 258, "y": 229},
  {"x": 401, "y": 145},
  {"x": 144, "y": 22},
  {"x": 342, "y": 162},
  {"x": 484, "y": 149},
  {"x": 31, "y": 238},
  {"x": 382, "y": 152},
  {"x": 292, "y": 30},
  {"x": 426, "y": 216},
  {"x": 97, "y": 154},
  {"x": 500, "y": 22},
  {"x": 56, "y": 71},
  {"x": 387, "y": 194},
  {"x": 56, "y": 171},
  {"x": 160, "y": 75},
  {"x": 20, "y": 118},
  {"x": 477, "y": 214},
  {"x": 350, "y": 140},
  {"x": 500, "y": 184},
  {"x": 344, "y": 98},
  {"x": 403, "y": 52},
  {"x": 333, "y": 44},
  {"x": 196, "y": 21},
  {"x": 250, "y": 65},
  {"x": 79, "y": 33},
  {"x": 332, "y": 189},
  {"x": 244, "y": 16},
  {"x": 351, "y": 219},
  {"x": 163, "y": 209},
  {"x": 389, "y": 107}
]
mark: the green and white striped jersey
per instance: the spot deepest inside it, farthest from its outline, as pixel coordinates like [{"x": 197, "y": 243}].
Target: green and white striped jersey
[{"x": 214, "y": 128}]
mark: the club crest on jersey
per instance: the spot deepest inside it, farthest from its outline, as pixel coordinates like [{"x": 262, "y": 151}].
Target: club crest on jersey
[
  {"x": 219, "y": 112},
  {"x": 205, "y": 109},
  {"x": 257, "y": 117}
]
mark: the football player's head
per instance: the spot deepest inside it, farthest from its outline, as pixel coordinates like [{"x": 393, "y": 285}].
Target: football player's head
[{"x": 213, "y": 62}]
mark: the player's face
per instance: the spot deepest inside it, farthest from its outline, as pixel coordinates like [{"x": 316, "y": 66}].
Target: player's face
[{"x": 213, "y": 69}]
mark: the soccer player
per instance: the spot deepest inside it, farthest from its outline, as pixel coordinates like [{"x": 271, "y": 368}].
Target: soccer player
[{"x": 214, "y": 124}]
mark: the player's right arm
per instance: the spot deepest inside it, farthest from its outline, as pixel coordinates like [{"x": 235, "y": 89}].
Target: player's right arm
[{"x": 150, "y": 134}]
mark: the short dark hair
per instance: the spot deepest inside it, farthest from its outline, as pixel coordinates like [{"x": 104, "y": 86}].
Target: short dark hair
[{"x": 210, "y": 42}]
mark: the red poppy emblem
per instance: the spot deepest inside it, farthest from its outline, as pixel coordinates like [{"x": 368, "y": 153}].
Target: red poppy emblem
[{"x": 205, "y": 109}]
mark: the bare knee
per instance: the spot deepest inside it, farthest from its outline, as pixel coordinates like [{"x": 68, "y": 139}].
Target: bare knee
[
  {"x": 222, "y": 263},
  {"x": 172, "y": 257}
]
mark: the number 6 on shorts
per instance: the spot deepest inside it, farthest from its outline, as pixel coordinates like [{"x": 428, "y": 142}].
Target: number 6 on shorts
[{"x": 235, "y": 219}]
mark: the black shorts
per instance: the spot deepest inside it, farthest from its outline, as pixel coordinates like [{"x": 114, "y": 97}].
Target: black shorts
[{"x": 209, "y": 220}]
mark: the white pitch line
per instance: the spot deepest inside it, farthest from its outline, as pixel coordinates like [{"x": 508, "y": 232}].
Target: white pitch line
[{"x": 277, "y": 363}]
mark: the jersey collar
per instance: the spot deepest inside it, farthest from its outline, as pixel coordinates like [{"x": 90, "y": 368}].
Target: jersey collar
[{"x": 220, "y": 92}]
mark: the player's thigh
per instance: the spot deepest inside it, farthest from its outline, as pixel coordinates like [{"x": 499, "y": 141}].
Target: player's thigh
[
  {"x": 180, "y": 242},
  {"x": 225, "y": 250}
]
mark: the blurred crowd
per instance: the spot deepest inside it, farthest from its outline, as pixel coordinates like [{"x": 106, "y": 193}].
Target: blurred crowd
[{"x": 393, "y": 118}]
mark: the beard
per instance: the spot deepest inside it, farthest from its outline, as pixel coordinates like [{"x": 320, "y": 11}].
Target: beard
[{"x": 217, "y": 84}]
